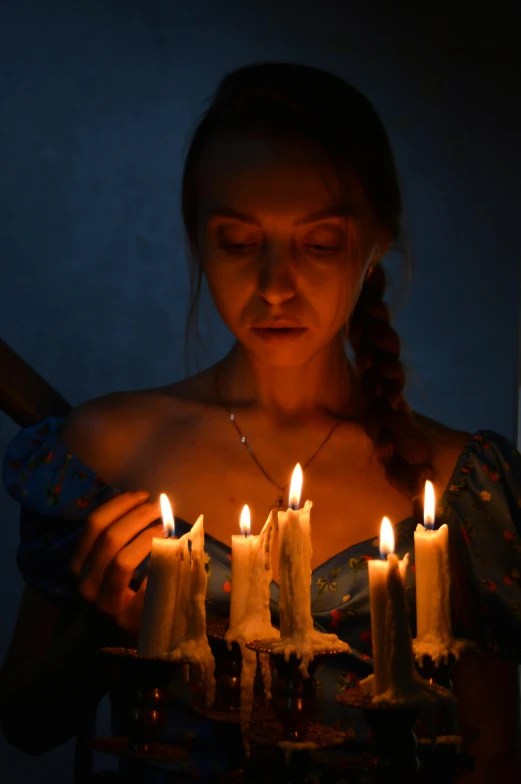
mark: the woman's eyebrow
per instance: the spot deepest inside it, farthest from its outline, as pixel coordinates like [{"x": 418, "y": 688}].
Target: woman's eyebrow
[{"x": 337, "y": 211}]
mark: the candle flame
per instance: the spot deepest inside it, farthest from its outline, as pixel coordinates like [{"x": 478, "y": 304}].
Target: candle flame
[
  {"x": 167, "y": 515},
  {"x": 386, "y": 537},
  {"x": 429, "y": 505},
  {"x": 245, "y": 520},
  {"x": 295, "y": 488}
]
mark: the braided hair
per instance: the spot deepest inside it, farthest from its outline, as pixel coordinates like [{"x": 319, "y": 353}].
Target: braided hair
[{"x": 386, "y": 418}]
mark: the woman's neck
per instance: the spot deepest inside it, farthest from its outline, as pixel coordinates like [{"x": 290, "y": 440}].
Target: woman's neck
[{"x": 324, "y": 385}]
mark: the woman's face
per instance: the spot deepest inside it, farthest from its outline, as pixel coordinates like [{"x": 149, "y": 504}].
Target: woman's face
[{"x": 285, "y": 256}]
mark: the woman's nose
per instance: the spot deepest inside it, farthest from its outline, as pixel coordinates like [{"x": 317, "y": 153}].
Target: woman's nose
[{"x": 276, "y": 277}]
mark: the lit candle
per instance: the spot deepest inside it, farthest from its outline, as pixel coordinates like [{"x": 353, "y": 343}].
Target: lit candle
[
  {"x": 378, "y": 570},
  {"x": 406, "y": 686},
  {"x": 162, "y": 586},
  {"x": 297, "y": 635},
  {"x": 295, "y": 563},
  {"x": 400, "y": 658},
  {"x": 179, "y": 618},
  {"x": 432, "y": 584},
  {"x": 395, "y": 680},
  {"x": 196, "y": 610},
  {"x": 389, "y": 623},
  {"x": 256, "y": 622},
  {"x": 250, "y": 616},
  {"x": 242, "y": 550},
  {"x": 189, "y": 640}
]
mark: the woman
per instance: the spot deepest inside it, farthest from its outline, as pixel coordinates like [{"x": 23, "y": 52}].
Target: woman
[{"x": 290, "y": 201}]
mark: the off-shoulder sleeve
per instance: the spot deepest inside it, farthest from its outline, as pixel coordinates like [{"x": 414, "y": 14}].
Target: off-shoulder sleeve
[
  {"x": 57, "y": 492},
  {"x": 482, "y": 506}
]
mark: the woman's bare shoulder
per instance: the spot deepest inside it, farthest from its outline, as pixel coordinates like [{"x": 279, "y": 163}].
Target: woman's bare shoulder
[{"x": 106, "y": 431}]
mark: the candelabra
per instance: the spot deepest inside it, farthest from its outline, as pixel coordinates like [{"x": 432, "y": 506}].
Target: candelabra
[{"x": 284, "y": 741}]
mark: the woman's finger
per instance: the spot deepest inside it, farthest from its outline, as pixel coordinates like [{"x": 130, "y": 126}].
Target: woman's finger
[
  {"x": 99, "y": 520},
  {"x": 132, "y": 602},
  {"x": 112, "y": 541},
  {"x": 118, "y": 574}
]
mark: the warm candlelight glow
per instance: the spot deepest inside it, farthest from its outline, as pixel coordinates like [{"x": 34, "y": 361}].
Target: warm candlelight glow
[
  {"x": 295, "y": 488},
  {"x": 386, "y": 538},
  {"x": 245, "y": 520},
  {"x": 167, "y": 515},
  {"x": 429, "y": 505}
]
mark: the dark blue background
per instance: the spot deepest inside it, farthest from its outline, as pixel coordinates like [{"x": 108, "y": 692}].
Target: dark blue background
[{"x": 97, "y": 98}]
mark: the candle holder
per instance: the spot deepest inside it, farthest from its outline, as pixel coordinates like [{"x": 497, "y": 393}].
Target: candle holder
[
  {"x": 225, "y": 712},
  {"x": 392, "y": 747},
  {"x": 142, "y": 691},
  {"x": 448, "y": 742},
  {"x": 293, "y": 721},
  {"x": 228, "y": 664}
]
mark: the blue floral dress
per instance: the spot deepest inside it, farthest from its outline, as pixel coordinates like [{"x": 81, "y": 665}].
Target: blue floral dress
[{"x": 481, "y": 506}]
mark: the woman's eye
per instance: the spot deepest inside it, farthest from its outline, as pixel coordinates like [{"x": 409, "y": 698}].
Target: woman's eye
[
  {"x": 238, "y": 247},
  {"x": 244, "y": 247},
  {"x": 324, "y": 248}
]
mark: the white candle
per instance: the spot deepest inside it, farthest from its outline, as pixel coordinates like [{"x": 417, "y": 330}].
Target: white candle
[
  {"x": 196, "y": 615},
  {"x": 257, "y": 613},
  {"x": 390, "y": 633},
  {"x": 295, "y": 564},
  {"x": 161, "y": 591},
  {"x": 250, "y": 616},
  {"x": 179, "y": 618},
  {"x": 189, "y": 639},
  {"x": 401, "y": 670},
  {"x": 297, "y": 635},
  {"x": 432, "y": 579},
  {"x": 254, "y": 620},
  {"x": 378, "y": 571},
  {"x": 242, "y": 550}
]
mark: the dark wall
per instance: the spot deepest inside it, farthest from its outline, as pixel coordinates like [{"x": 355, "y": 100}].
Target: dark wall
[{"x": 97, "y": 99}]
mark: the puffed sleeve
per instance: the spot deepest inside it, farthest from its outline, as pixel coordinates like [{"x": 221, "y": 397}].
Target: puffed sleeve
[
  {"x": 57, "y": 492},
  {"x": 482, "y": 506}
]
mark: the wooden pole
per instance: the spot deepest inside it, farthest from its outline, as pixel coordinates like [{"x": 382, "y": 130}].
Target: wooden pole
[{"x": 27, "y": 399}]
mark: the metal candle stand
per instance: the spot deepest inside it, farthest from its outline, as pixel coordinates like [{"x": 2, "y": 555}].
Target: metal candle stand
[
  {"x": 400, "y": 749},
  {"x": 276, "y": 731},
  {"x": 289, "y": 718},
  {"x": 225, "y": 712},
  {"x": 444, "y": 756},
  {"x": 141, "y": 688},
  {"x": 293, "y": 718},
  {"x": 391, "y": 753}
]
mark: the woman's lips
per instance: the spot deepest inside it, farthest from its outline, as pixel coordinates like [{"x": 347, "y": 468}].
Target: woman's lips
[{"x": 279, "y": 335}]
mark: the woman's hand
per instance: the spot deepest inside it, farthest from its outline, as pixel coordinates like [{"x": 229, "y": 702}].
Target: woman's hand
[{"x": 114, "y": 542}]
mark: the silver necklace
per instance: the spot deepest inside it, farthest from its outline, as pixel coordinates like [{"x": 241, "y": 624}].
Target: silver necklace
[{"x": 279, "y": 504}]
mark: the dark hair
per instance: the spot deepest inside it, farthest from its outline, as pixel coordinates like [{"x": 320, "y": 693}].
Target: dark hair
[{"x": 296, "y": 101}]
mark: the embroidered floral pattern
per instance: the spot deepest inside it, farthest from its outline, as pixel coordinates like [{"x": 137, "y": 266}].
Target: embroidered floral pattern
[
  {"x": 357, "y": 564},
  {"x": 348, "y": 680},
  {"x": 328, "y": 583}
]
